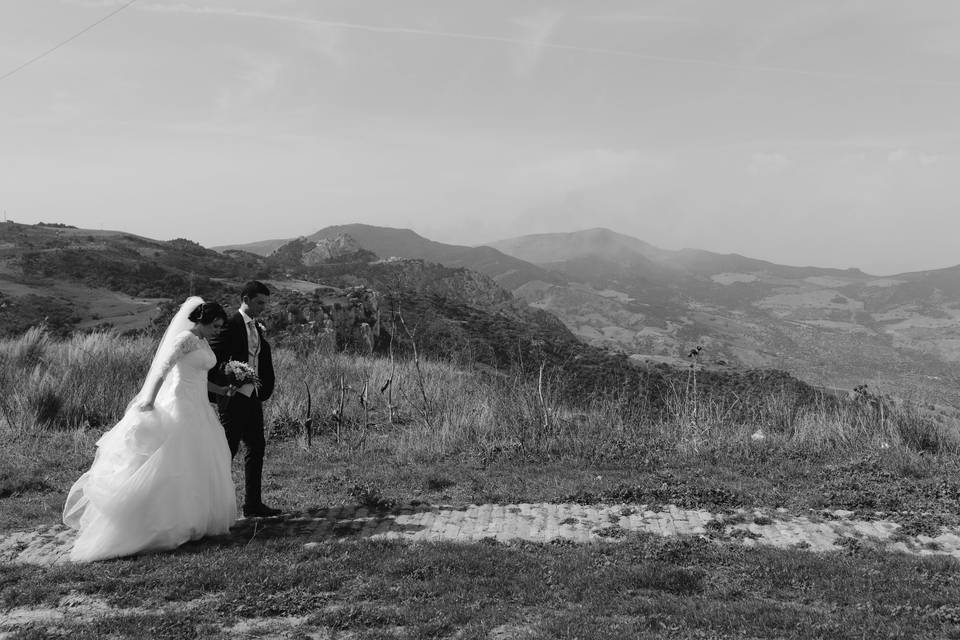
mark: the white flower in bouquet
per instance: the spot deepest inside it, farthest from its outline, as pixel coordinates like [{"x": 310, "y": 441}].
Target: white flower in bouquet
[{"x": 241, "y": 375}]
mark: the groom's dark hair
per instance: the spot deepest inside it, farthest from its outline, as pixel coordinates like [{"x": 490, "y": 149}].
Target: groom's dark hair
[{"x": 254, "y": 288}]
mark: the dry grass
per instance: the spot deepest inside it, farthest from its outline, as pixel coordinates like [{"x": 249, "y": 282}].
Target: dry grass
[
  {"x": 83, "y": 381},
  {"x": 86, "y": 381},
  {"x": 478, "y": 435},
  {"x": 475, "y": 435}
]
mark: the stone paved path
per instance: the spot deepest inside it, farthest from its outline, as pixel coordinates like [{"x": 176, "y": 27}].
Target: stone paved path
[{"x": 539, "y": 523}]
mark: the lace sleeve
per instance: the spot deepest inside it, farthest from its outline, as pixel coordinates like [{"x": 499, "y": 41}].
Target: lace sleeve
[{"x": 182, "y": 345}]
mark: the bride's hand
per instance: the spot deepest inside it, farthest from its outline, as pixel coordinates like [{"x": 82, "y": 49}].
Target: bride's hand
[{"x": 229, "y": 390}]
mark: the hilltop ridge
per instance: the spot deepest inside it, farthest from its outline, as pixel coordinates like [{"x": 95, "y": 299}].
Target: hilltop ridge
[
  {"x": 831, "y": 327},
  {"x": 387, "y": 242}
]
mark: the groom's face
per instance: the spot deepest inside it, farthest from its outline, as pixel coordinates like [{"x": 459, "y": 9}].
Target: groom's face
[{"x": 256, "y": 305}]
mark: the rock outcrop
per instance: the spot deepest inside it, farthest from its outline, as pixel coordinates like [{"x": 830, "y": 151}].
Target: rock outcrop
[
  {"x": 304, "y": 252},
  {"x": 347, "y": 318}
]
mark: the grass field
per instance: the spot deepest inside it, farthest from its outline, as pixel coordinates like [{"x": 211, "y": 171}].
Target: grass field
[
  {"x": 643, "y": 587},
  {"x": 471, "y": 435}
]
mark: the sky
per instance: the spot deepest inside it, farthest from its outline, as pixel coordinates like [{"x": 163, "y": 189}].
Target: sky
[{"x": 824, "y": 132}]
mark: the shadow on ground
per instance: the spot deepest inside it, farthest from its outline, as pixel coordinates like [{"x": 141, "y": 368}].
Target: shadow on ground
[{"x": 325, "y": 524}]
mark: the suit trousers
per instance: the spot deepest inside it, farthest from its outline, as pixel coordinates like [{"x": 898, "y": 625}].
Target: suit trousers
[{"x": 243, "y": 422}]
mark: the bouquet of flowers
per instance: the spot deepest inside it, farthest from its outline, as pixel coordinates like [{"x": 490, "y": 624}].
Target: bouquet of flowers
[{"x": 242, "y": 376}]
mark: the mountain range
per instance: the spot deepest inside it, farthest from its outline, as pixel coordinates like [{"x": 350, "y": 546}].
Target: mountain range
[
  {"x": 508, "y": 271},
  {"x": 831, "y": 327},
  {"x": 69, "y": 279}
]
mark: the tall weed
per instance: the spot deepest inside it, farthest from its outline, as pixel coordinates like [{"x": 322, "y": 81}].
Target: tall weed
[{"x": 86, "y": 381}]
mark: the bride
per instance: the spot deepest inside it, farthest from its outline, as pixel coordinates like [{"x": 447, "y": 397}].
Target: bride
[{"x": 161, "y": 476}]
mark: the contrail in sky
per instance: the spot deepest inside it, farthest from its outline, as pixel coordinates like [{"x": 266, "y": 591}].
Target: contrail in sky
[
  {"x": 545, "y": 44},
  {"x": 458, "y": 35}
]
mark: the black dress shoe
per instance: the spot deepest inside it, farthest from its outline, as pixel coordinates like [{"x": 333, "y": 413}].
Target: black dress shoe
[{"x": 260, "y": 511}]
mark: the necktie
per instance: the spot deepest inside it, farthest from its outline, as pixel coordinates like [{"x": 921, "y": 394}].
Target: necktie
[{"x": 254, "y": 347}]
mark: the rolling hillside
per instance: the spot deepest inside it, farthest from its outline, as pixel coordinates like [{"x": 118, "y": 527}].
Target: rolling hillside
[
  {"x": 832, "y": 327},
  {"x": 508, "y": 271},
  {"x": 73, "y": 278},
  {"x": 829, "y": 326},
  {"x": 70, "y": 279}
]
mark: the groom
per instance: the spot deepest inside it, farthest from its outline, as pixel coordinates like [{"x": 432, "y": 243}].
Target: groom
[{"x": 242, "y": 339}]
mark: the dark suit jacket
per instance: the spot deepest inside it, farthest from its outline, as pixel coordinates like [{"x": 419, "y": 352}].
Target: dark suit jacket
[{"x": 231, "y": 344}]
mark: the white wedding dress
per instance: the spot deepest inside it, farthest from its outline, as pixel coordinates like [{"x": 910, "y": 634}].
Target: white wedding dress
[{"x": 160, "y": 477}]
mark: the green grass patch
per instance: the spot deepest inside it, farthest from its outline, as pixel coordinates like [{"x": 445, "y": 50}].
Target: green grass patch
[
  {"x": 644, "y": 586},
  {"x": 38, "y": 470},
  {"x": 472, "y": 436}
]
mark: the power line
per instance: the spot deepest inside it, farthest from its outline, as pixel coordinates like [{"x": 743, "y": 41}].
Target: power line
[{"x": 67, "y": 41}]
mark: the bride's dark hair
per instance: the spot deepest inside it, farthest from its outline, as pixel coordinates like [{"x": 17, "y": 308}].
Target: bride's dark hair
[{"x": 207, "y": 312}]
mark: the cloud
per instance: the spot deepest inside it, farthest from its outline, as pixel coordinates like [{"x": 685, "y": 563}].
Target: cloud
[
  {"x": 764, "y": 164},
  {"x": 536, "y": 30},
  {"x": 897, "y": 156},
  {"x": 96, "y": 4},
  {"x": 258, "y": 76},
  {"x": 325, "y": 40},
  {"x": 628, "y": 16},
  {"x": 627, "y": 170},
  {"x": 902, "y": 156}
]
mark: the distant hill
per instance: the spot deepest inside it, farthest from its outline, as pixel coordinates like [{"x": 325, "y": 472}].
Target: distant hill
[
  {"x": 833, "y": 327},
  {"x": 617, "y": 248},
  {"x": 261, "y": 248},
  {"x": 543, "y": 248},
  {"x": 303, "y": 252},
  {"x": 74, "y": 279},
  {"x": 387, "y": 242},
  {"x": 829, "y": 326},
  {"x": 81, "y": 278},
  {"x": 610, "y": 292}
]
